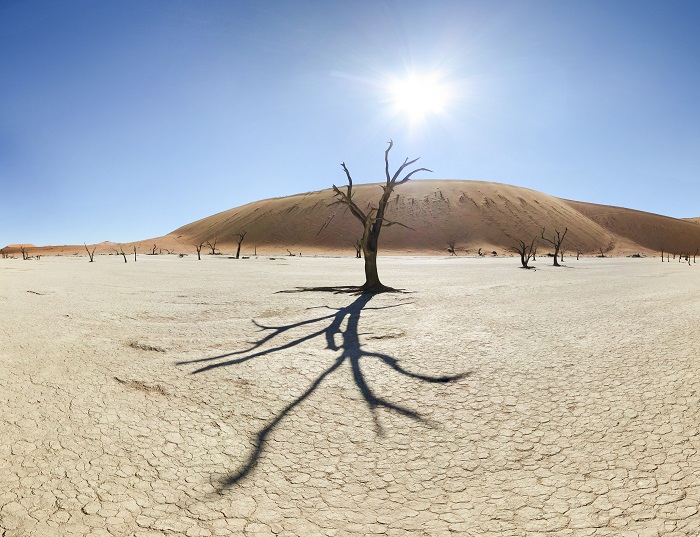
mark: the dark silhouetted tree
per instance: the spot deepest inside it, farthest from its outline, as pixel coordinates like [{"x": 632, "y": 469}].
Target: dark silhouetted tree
[
  {"x": 358, "y": 248},
  {"x": 525, "y": 250},
  {"x": 91, "y": 254},
  {"x": 555, "y": 241},
  {"x": 212, "y": 247},
  {"x": 240, "y": 236},
  {"x": 120, "y": 251},
  {"x": 374, "y": 219},
  {"x": 199, "y": 247},
  {"x": 451, "y": 246}
]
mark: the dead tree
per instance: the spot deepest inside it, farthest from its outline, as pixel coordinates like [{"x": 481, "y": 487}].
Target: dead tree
[
  {"x": 578, "y": 253},
  {"x": 91, "y": 254},
  {"x": 451, "y": 246},
  {"x": 212, "y": 247},
  {"x": 25, "y": 254},
  {"x": 134, "y": 253},
  {"x": 240, "y": 236},
  {"x": 602, "y": 254},
  {"x": 373, "y": 220},
  {"x": 696, "y": 253},
  {"x": 555, "y": 241},
  {"x": 662, "y": 256},
  {"x": 561, "y": 254},
  {"x": 290, "y": 253},
  {"x": 120, "y": 252},
  {"x": 358, "y": 248},
  {"x": 3, "y": 253},
  {"x": 525, "y": 250},
  {"x": 534, "y": 253},
  {"x": 198, "y": 247},
  {"x": 153, "y": 250}
]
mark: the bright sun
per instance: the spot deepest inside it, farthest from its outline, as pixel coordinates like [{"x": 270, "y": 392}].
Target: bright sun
[{"x": 418, "y": 96}]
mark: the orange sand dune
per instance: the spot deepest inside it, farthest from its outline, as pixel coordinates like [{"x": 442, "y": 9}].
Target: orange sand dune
[{"x": 474, "y": 214}]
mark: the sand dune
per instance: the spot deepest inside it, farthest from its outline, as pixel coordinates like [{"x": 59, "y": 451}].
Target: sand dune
[{"x": 474, "y": 214}]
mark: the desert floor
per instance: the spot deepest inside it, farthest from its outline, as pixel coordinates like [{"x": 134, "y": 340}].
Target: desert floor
[{"x": 182, "y": 397}]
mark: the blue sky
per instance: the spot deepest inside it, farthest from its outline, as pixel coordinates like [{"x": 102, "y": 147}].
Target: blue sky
[{"x": 123, "y": 120}]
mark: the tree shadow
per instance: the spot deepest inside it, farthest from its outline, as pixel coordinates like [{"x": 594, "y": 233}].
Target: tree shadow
[{"x": 351, "y": 351}]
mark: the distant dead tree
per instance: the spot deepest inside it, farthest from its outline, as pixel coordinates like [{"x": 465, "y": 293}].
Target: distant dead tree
[
  {"x": 561, "y": 254},
  {"x": 153, "y": 250},
  {"x": 91, "y": 254},
  {"x": 358, "y": 248},
  {"x": 212, "y": 247},
  {"x": 602, "y": 253},
  {"x": 534, "y": 253},
  {"x": 373, "y": 220},
  {"x": 198, "y": 247},
  {"x": 25, "y": 253},
  {"x": 134, "y": 253},
  {"x": 290, "y": 253},
  {"x": 479, "y": 253},
  {"x": 696, "y": 253},
  {"x": 3, "y": 253},
  {"x": 120, "y": 251},
  {"x": 555, "y": 241},
  {"x": 240, "y": 236},
  {"x": 451, "y": 246},
  {"x": 662, "y": 255},
  {"x": 578, "y": 253},
  {"x": 525, "y": 251}
]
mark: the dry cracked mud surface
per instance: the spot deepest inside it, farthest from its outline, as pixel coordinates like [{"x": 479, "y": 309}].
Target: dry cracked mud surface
[{"x": 177, "y": 397}]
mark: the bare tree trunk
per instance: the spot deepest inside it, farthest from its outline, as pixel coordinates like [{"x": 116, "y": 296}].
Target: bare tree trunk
[
  {"x": 212, "y": 246},
  {"x": 240, "y": 236},
  {"x": 121, "y": 252},
  {"x": 451, "y": 246},
  {"x": 555, "y": 241},
  {"x": 134, "y": 253},
  {"x": 373, "y": 220},
  {"x": 662, "y": 256},
  {"x": 371, "y": 275},
  {"x": 358, "y": 248},
  {"x": 91, "y": 254}
]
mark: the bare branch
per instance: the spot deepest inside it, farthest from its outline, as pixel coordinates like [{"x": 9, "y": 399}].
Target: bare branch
[{"x": 392, "y": 223}]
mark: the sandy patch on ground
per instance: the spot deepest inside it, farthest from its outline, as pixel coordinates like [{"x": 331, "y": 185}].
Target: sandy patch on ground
[{"x": 577, "y": 412}]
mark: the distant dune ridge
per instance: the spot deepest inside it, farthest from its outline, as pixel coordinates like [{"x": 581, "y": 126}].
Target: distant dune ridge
[{"x": 474, "y": 214}]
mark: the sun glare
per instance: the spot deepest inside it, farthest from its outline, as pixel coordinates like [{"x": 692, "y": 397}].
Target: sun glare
[{"x": 419, "y": 96}]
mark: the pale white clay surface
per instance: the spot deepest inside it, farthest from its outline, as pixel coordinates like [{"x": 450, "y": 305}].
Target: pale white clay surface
[{"x": 578, "y": 413}]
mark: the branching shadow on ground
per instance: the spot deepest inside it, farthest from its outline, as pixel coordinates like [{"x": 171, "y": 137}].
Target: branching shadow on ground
[{"x": 351, "y": 351}]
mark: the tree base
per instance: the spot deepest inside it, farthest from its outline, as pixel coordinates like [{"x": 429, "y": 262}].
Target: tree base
[{"x": 349, "y": 289}]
